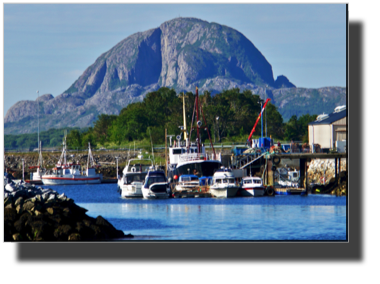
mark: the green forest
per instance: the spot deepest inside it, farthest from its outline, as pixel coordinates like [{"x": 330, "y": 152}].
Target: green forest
[{"x": 145, "y": 122}]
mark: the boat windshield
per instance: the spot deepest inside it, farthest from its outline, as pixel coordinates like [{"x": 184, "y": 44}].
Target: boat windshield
[
  {"x": 135, "y": 178},
  {"x": 247, "y": 181},
  {"x": 154, "y": 179}
]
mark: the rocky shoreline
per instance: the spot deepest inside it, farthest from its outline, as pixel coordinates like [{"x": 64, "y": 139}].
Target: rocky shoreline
[{"x": 33, "y": 213}]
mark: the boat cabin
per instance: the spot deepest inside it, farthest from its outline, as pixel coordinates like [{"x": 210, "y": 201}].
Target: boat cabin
[
  {"x": 74, "y": 170},
  {"x": 252, "y": 181},
  {"x": 223, "y": 177},
  {"x": 134, "y": 177},
  {"x": 175, "y": 153},
  {"x": 90, "y": 172}
]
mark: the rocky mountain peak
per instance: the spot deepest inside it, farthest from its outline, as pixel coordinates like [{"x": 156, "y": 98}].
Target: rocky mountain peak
[{"x": 181, "y": 53}]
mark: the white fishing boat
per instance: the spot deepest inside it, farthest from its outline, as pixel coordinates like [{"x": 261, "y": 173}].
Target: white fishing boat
[
  {"x": 187, "y": 183},
  {"x": 224, "y": 184},
  {"x": 156, "y": 185},
  {"x": 134, "y": 173},
  {"x": 71, "y": 173},
  {"x": 191, "y": 158},
  {"x": 252, "y": 186}
]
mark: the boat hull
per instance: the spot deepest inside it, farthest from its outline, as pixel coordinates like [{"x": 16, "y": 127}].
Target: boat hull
[
  {"x": 201, "y": 167},
  {"x": 156, "y": 191},
  {"x": 259, "y": 191},
  {"x": 224, "y": 192},
  {"x": 130, "y": 191},
  {"x": 70, "y": 180}
]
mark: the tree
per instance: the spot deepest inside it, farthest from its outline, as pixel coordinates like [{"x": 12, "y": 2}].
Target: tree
[
  {"x": 101, "y": 127},
  {"x": 74, "y": 139}
]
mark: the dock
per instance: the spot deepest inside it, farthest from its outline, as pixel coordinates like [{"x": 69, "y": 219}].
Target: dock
[
  {"x": 290, "y": 191},
  {"x": 185, "y": 194}
]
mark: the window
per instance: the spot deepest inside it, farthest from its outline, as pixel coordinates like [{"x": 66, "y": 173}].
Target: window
[
  {"x": 177, "y": 151},
  {"x": 247, "y": 181}
]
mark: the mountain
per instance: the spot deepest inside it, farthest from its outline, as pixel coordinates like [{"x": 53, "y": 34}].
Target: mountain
[{"x": 182, "y": 53}]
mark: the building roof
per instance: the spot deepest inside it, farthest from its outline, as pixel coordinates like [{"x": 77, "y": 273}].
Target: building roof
[{"x": 332, "y": 118}]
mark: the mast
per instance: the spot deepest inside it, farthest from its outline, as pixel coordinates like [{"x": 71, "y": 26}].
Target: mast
[
  {"x": 184, "y": 116},
  {"x": 197, "y": 110},
  {"x": 40, "y": 156},
  {"x": 38, "y": 114}
]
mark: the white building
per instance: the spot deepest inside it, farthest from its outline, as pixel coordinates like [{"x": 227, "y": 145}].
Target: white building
[{"x": 330, "y": 130}]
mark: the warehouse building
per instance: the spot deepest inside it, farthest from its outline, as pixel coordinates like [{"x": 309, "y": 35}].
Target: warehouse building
[{"x": 329, "y": 130}]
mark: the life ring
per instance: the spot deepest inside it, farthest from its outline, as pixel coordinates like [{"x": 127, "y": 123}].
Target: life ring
[
  {"x": 269, "y": 191},
  {"x": 276, "y": 160},
  {"x": 274, "y": 168},
  {"x": 133, "y": 169}
]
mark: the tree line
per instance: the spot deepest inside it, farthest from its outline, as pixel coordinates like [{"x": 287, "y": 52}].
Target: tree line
[{"x": 230, "y": 116}]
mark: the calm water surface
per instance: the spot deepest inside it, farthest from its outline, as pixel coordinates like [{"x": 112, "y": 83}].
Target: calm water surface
[{"x": 313, "y": 217}]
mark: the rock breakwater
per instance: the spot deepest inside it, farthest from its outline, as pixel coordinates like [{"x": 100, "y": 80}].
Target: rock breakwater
[{"x": 37, "y": 214}]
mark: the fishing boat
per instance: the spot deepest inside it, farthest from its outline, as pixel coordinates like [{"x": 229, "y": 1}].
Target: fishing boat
[
  {"x": 156, "y": 185},
  {"x": 71, "y": 173},
  {"x": 134, "y": 173},
  {"x": 187, "y": 183},
  {"x": 288, "y": 182},
  {"x": 252, "y": 186},
  {"x": 224, "y": 184},
  {"x": 191, "y": 158}
]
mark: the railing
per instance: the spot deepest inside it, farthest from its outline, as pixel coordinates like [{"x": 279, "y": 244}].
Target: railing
[{"x": 191, "y": 157}]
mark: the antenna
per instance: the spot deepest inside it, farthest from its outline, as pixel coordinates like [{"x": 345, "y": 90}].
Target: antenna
[
  {"x": 38, "y": 114},
  {"x": 170, "y": 137}
]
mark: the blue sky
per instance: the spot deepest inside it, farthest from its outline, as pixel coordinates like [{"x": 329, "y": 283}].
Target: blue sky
[{"x": 48, "y": 46}]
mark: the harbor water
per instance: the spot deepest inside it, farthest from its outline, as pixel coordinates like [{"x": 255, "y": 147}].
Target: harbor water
[{"x": 279, "y": 218}]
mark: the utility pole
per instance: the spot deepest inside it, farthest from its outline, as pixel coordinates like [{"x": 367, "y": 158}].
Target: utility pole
[{"x": 266, "y": 129}]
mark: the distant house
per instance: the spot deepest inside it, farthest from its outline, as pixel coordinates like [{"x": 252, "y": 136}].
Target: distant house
[{"x": 330, "y": 130}]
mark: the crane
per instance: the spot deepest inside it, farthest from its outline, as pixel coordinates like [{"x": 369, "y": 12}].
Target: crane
[{"x": 258, "y": 118}]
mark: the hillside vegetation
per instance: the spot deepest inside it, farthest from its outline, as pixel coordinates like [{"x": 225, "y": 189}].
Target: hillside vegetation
[{"x": 146, "y": 122}]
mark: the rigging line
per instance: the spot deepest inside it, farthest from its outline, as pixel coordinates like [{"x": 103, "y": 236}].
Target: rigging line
[
  {"x": 191, "y": 128},
  {"x": 212, "y": 146}
]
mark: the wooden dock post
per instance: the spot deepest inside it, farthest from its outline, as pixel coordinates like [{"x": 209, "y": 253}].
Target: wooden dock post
[{"x": 307, "y": 178}]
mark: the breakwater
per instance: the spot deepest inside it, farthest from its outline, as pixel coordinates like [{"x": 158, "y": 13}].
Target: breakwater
[
  {"x": 37, "y": 214},
  {"x": 107, "y": 161}
]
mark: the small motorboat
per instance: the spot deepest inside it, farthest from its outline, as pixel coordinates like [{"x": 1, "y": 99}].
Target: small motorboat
[
  {"x": 156, "y": 185},
  {"x": 134, "y": 173},
  {"x": 187, "y": 183},
  {"x": 252, "y": 186},
  {"x": 224, "y": 183}
]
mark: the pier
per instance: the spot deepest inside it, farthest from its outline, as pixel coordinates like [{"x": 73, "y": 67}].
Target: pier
[{"x": 304, "y": 158}]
